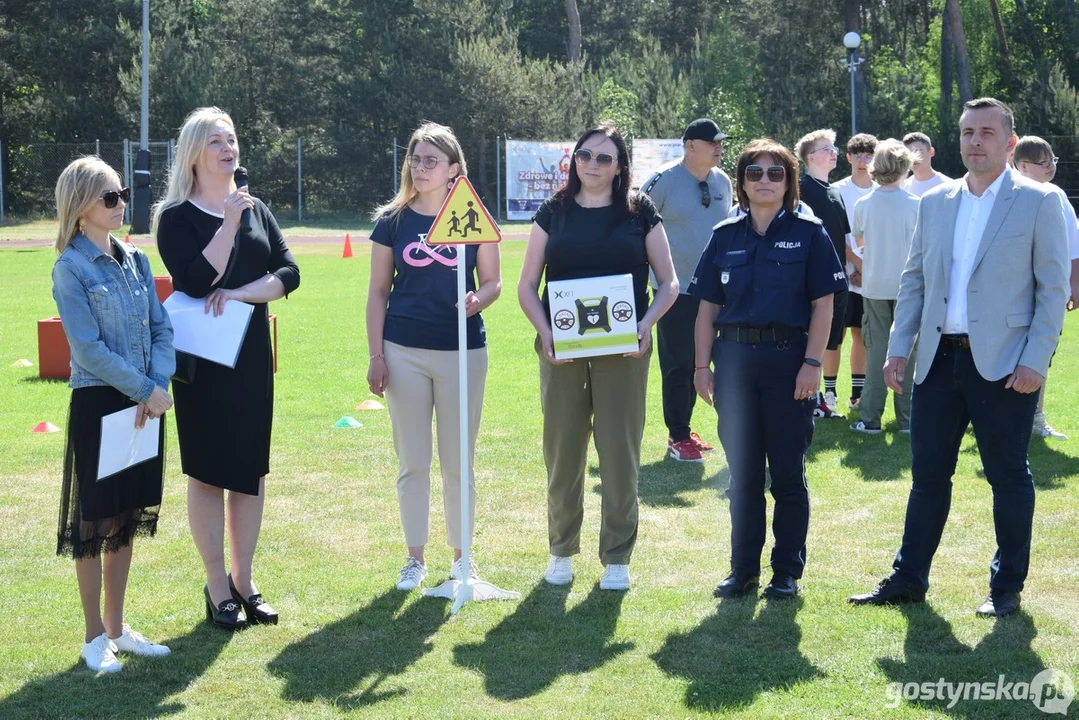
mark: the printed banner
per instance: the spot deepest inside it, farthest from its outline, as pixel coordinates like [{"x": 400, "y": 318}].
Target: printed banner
[
  {"x": 649, "y": 154},
  {"x": 534, "y": 170}
]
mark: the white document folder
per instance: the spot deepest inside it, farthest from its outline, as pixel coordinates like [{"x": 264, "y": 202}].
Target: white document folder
[
  {"x": 199, "y": 333},
  {"x": 123, "y": 444}
]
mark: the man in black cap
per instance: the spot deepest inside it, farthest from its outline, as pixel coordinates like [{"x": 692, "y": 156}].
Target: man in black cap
[{"x": 692, "y": 194}]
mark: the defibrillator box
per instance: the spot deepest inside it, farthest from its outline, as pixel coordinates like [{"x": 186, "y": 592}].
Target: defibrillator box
[{"x": 593, "y": 316}]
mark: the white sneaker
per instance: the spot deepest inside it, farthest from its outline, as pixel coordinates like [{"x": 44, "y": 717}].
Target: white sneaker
[
  {"x": 137, "y": 644},
  {"x": 559, "y": 570},
  {"x": 99, "y": 655},
  {"x": 457, "y": 570},
  {"x": 1045, "y": 430},
  {"x": 615, "y": 577},
  {"x": 832, "y": 401},
  {"x": 412, "y": 574}
]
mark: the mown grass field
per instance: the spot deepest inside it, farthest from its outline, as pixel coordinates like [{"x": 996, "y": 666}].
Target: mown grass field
[{"x": 331, "y": 546}]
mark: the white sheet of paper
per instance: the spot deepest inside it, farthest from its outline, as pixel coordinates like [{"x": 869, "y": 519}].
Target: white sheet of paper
[
  {"x": 199, "y": 333},
  {"x": 124, "y": 445}
]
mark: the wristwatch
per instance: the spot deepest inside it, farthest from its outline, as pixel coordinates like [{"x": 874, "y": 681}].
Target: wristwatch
[{"x": 811, "y": 362}]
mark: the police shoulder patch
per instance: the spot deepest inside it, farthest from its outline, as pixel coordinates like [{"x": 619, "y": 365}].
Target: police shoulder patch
[
  {"x": 728, "y": 221},
  {"x": 807, "y": 217}
]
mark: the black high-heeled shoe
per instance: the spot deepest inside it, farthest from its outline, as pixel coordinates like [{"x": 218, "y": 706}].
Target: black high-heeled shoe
[
  {"x": 257, "y": 609},
  {"x": 228, "y": 615}
]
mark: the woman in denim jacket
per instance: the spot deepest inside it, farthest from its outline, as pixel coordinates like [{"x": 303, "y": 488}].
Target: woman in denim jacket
[{"x": 121, "y": 357}]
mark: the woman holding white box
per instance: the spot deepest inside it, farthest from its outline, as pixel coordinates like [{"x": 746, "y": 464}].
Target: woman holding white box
[{"x": 595, "y": 227}]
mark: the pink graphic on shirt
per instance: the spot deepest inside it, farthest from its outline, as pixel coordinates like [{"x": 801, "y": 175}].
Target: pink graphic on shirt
[{"x": 420, "y": 254}]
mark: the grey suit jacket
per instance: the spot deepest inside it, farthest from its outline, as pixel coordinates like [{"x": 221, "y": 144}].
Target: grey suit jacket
[{"x": 1018, "y": 288}]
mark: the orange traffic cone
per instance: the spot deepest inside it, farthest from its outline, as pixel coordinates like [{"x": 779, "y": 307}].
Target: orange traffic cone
[{"x": 348, "y": 247}]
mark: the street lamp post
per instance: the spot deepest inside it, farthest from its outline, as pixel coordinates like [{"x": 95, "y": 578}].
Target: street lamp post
[{"x": 852, "y": 41}]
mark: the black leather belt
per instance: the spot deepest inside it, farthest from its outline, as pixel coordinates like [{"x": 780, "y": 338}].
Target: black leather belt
[
  {"x": 756, "y": 336},
  {"x": 957, "y": 341}
]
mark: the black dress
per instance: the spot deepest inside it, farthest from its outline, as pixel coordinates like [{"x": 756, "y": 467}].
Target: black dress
[{"x": 225, "y": 417}]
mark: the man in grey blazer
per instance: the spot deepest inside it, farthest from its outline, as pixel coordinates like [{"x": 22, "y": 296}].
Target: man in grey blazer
[{"x": 984, "y": 292}]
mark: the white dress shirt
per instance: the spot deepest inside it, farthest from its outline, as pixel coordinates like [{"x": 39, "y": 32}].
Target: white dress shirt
[{"x": 970, "y": 225}]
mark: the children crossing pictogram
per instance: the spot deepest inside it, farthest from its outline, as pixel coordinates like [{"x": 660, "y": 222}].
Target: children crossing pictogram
[{"x": 463, "y": 219}]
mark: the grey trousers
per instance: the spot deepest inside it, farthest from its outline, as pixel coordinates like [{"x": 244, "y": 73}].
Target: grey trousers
[{"x": 877, "y": 317}]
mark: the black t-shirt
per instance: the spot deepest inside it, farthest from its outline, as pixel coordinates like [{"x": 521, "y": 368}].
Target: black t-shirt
[
  {"x": 827, "y": 204},
  {"x": 594, "y": 242}
]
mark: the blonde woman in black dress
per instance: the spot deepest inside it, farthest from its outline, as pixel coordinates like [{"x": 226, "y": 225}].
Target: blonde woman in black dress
[
  {"x": 121, "y": 358},
  {"x": 224, "y": 416}
]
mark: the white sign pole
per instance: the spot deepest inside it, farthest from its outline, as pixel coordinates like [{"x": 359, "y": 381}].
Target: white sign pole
[{"x": 464, "y": 593}]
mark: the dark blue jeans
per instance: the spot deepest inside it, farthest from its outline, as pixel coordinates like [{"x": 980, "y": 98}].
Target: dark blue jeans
[
  {"x": 760, "y": 420},
  {"x": 674, "y": 333},
  {"x": 953, "y": 396}
]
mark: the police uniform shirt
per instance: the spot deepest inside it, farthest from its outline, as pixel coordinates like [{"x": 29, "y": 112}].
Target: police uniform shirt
[{"x": 768, "y": 281}]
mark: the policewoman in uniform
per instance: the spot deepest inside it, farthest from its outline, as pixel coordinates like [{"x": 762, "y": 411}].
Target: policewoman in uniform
[{"x": 765, "y": 282}]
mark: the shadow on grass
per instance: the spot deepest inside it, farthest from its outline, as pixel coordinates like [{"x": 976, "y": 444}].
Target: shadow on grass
[
  {"x": 732, "y": 657},
  {"x": 139, "y": 691},
  {"x": 664, "y": 482},
  {"x": 541, "y": 641},
  {"x": 932, "y": 652},
  {"x": 374, "y": 643},
  {"x": 876, "y": 458},
  {"x": 36, "y": 380}
]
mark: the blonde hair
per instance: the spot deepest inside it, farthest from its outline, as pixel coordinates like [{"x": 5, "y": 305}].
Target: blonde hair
[
  {"x": 194, "y": 134},
  {"x": 891, "y": 161},
  {"x": 442, "y": 138},
  {"x": 804, "y": 146},
  {"x": 81, "y": 184},
  {"x": 1031, "y": 149}
]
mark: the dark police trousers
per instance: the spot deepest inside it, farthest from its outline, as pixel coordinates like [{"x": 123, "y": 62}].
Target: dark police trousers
[
  {"x": 760, "y": 419},
  {"x": 953, "y": 396},
  {"x": 674, "y": 335}
]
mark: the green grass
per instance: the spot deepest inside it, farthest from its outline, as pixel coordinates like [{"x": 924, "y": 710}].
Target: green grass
[{"x": 331, "y": 547}]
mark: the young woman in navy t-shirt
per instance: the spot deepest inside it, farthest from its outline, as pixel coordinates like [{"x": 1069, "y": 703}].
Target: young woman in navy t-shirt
[{"x": 412, "y": 339}]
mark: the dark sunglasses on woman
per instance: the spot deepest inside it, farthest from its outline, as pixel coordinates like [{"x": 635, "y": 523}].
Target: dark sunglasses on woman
[
  {"x": 776, "y": 173},
  {"x": 585, "y": 156},
  {"x": 112, "y": 197}
]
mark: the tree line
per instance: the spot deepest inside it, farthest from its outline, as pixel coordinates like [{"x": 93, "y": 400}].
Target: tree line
[{"x": 350, "y": 75}]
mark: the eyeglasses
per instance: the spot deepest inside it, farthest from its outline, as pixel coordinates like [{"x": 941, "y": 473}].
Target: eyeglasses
[
  {"x": 112, "y": 197},
  {"x": 585, "y": 156},
  {"x": 706, "y": 194},
  {"x": 776, "y": 173},
  {"x": 430, "y": 162},
  {"x": 863, "y": 157},
  {"x": 1051, "y": 162},
  {"x": 830, "y": 149}
]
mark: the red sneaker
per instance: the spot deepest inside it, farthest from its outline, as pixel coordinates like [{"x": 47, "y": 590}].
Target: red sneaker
[
  {"x": 701, "y": 444},
  {"x": 685, "y": 450}
]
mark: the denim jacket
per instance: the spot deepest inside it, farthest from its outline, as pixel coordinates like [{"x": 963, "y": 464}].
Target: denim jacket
[{"x": 119, "y": 333}]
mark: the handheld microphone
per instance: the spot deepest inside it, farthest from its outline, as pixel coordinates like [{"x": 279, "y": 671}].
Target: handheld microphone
[{"x": 240, "y": 178}]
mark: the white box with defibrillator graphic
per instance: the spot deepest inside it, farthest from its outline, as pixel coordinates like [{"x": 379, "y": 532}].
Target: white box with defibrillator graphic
[{"x": 593, "y": 316}]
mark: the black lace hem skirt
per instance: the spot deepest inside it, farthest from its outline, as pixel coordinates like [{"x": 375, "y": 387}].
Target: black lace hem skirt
[{"x": 99, "y": 516}]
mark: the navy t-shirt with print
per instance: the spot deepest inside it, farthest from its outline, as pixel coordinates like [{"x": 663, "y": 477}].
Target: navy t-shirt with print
[{"x": 422, "y": 311}]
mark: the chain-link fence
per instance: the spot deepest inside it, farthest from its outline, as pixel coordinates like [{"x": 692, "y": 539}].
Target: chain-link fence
[{"x": 306, "y": 179}]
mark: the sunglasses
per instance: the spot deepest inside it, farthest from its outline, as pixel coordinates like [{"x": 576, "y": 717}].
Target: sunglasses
[
  {"x": 112, "y": 197},
  {"x": 430, "y": 162},
  {"x": 706, "y": 194},
  {"x": 776, "y": 173},
  {"x": 585, "y": 156}
]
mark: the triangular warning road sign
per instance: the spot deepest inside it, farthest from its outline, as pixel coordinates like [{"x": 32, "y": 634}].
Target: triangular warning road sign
[{"x": 463, "y": 219}]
